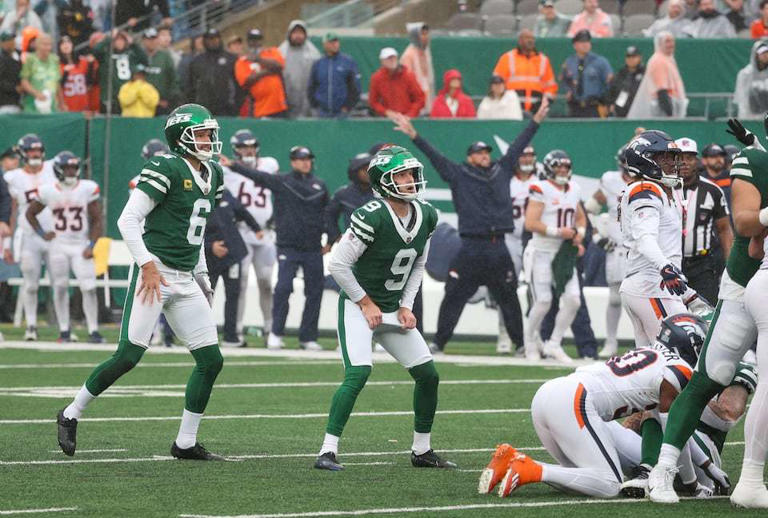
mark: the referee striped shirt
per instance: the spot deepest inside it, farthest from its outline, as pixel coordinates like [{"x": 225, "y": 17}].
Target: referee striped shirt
[{"x": 701, "y": 205}]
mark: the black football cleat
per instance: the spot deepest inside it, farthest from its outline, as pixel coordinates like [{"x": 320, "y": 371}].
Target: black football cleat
[
  {"x": 196, "y": 452},
  {"x": 67, "y": 433},
  {"x": 328, "y": 462},
  {"x": 430, "y": 459},
  {"x": 637, "y": 486}
]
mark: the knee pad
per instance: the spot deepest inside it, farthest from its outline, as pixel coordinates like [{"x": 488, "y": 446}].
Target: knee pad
[
  {"x": 542, "y": 305},
  {"x": 355, "y": 377},
  {"x": 733, "y": 334},
  {"x": 126, "y": 357},
  {"x": 570, "y": 302},
  {"x": 264, "y": 284},
  {"x": 264, "y": 274},
  {"x": 425, "y": 374},
  {"x": 209, "y": 359},
  {"x": 614, "y": 297},
  {"x": 88, "y": 284}
]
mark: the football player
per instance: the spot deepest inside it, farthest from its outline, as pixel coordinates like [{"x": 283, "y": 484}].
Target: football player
[
  {"x": 76, "y": 211},
  {"x": 30, "y": 248},
  {"x": 612, "y": 185},
  {"x": 732, "y": 334},
  {"x": 262, "y": 253},
  {"x": 174, "y": 197},
  {"x": 557, "y": 221},
  {"x": 379, "y": 264},
  {"x": 571, "y": 415}
]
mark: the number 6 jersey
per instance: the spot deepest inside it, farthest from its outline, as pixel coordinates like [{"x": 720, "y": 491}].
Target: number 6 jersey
[{"x": 69, "y": 206}]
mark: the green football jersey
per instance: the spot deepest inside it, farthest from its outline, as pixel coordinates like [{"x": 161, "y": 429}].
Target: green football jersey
[
  {"x": 385, "y": 266},
  {"x": 751, "y": 165},
  {"x": 174, "y": 230}
]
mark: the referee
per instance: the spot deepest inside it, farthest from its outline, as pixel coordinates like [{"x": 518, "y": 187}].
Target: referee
[{"x": 707, "y": 234}]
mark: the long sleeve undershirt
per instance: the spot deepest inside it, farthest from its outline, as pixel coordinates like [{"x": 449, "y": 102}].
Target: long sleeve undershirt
[{"x": 130, "y": 224}]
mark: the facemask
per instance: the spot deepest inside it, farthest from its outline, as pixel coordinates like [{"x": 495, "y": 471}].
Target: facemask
[
  {"x": 528, "y": 168},
  {"x": 250, "y": 160},
  {"x": 70, "y": 181},
  {"x": 34, "y": 162}
]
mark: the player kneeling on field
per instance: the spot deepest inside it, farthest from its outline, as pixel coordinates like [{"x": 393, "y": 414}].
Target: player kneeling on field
[
  {"x": 379, "y": 264},
  {"x": 571, "y": 414}
]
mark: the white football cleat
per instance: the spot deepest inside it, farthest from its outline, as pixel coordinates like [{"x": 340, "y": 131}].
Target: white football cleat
[
  {"x": 30, "y": 335},
  {"x": 504, "y": 347},
  {"x": 751, "y": 496},
  {"x": 608, "y": 350},
  {"x": 661, "y": 482},
  {"x": 312, "y": 345},
  {"x": 274, "y": 341},
  {"x": 556, "y": 351}
]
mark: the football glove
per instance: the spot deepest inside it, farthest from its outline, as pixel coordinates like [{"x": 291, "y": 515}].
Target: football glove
[
  {"x": 673, "y": 280},
  {"x": 718, "y": 476},
  {"x": 205, "y": 285},
  {"x": 697, "y": 304},
  {"x": 606, "y": 244},
  {"x": 741, "y": 133},
  {"x": 746, "y": 376}
]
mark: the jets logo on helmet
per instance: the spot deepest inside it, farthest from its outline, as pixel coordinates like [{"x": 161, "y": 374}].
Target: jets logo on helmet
[
  {"x": 31, "y": 142},
  {"x": 66, "y": 167},
  {"x": 684, "y": 334},
  {"x": 653, "y": 155},
  {"x": 181, "y": 128},
  {"x": 386, "y": 164},
  {"x": 555, "y": 159}
]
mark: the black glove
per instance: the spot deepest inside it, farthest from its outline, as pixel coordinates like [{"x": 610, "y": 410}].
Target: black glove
[
  {"x": 673, "y": 280},
  {"x": 606, "y": 244},
  {"x": 665, "y": 102},
  {"x": 741, "y": 133}
]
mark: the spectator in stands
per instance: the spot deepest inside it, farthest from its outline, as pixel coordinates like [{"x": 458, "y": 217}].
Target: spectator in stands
[
  {"x": 674, "y": 22},
  {"x": 195, "y": 47},
  {"x": 10, "y": 75},
  {"x": 40, "y": 78},
  {"x": 737, "y": 14},
  {"x": 259, "y": 73},
  {"x": 78, "y": 76},
  {"x": 593, "y": 19},
  {"x": 126, "y": 54},
  {"x": 334, "y": 83},
  {"x": 211, "y": 77},
  {"x": 160, "y": 72},
  {"x": 417, "y": 57},
  {"x": 235, "y": 45},
  {"x": 394, "y": 89},
  {"x": 710, "y": 23},
  {"x": 550, "y": 23},
  {"x": 21, "y": 17},
  {"x": 451, "y": 101},
  {"x": 528, "y": 72},
  {"x": 75, "y": 19},
  {"x": 138, "y": 98},
  {"x": 691, "y": 9},
  {"x": 713, "y": 158},
  {"x": 164, "y": 40},
  {"x": 137, "y": 14},
  {"x": 586, "y": 76},
  {"x": 759, "y": 28},
  {"x": 661, "y": 92},
  {"x": 622, "y": 90},
  {"x": 751, "y": 93},
  {"x": 9, "y": 160},
  {"x": 500, "y": 103},
  {"x": 299, "y": 54}
]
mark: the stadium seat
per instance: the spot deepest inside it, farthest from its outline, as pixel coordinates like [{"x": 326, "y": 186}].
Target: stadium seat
[
  {"x": 465, "y": 21},
  {"x": 501, "y": 25},
  {"x": 610, "y": 6},
  {"x": 616, "y": 22},
  {"x": 639, "y": 7},
  {"x": 635, "y": 24},
  {"x": 569, "y": 7},
  {"x": 525, "y": 7},
  {"x": 527, "y": 21},
  {"x": 494, "y": 7}
]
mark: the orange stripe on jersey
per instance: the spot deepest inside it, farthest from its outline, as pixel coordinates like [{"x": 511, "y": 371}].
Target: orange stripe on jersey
[
  {"x": 535, "y": 188},
  {"x": 578, "y": 405},
  {"x": 682, "y": 369},
  {"x": 643, "y": 190}
]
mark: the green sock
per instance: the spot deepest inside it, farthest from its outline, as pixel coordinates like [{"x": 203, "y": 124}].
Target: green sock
[
  {"x": 424, "y": 396},
  {"x": 344, "y": 399},
  {"x": 209, "y": 362},
  {"x": 652, "y": 437},
  {"x": 687, "y": 408},
  {"x": 125, "y": 358}
]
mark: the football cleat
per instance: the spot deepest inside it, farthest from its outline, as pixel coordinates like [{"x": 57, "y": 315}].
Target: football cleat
[
  {"x": 274, "y": 341},
  {"x": 553, "y": 350},
  {"x": 64, "y": 337},
  {"x": 196, "y": 452},
  {"x": 435, "y": 349},
  {"x": 637, "y": 486},
  {"x": 67, "y": 433},
  {"x": 30, "y": 335},
  {"x": 312, "y": 345},
  {"x": 750, "y": 496},
  {"x": 496, "y": 469},
  {"x": 522, "y": 470},
  {"x": 430, "y": 459},
  {"x": 328, "y": 462},
  {"x": 504, "y": 347},
  {"x": 661, "y": 485},
  {"x": 95, "y": 338}
]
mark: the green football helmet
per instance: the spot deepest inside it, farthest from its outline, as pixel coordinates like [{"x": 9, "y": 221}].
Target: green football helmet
[
  {"x": 180, "y": 132},
  {"x": 390, "y": 161}
]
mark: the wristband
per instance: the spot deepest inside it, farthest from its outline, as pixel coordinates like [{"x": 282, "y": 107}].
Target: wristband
[
  {"x": 40, "y": 232},
  {"x": 581, "y": 231},
  {"x": 552, "y": 231},
  {"x": 763, "y": 217}
]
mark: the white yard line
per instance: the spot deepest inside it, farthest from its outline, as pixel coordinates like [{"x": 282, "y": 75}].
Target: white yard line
[
  {"x": 268, "y": 416},
  {"x": 114, "y": 450},
  {"x": 186, "y": 365},
  {"x": 37, "y": 511}
]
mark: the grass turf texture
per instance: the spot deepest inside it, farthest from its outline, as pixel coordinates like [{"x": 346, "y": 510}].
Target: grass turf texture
[{"x": 264, "y": 485}]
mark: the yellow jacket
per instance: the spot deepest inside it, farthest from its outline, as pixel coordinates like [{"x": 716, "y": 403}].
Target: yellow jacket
[{"x": 138, "y": 98}]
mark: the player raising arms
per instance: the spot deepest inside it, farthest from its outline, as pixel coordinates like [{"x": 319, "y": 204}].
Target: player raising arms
[
  {"x": 174, "y": 198},
  {"x": 379, "y": 264},
  {"x": 77, "y": 225}
]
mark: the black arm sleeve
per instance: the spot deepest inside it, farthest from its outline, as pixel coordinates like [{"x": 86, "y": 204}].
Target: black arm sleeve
[
  {"x": 665, "y": 102},
  {"x": 242, "y": 214},
  {"x": 332, "y": 211},
  {"x": 270, "y": 181},
  {"x": 353, "y": 89},
  {"x": 444, "y": 167},
  {"x": 509, "y": 161}
]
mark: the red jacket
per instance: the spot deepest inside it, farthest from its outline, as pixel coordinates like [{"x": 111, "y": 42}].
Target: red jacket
[
  {"x": 440, "y": 107},
  {"x": 398, "y": 91}
]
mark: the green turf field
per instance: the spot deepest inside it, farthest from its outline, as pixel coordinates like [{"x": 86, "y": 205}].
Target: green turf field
[{"x": 268, "y": 413}]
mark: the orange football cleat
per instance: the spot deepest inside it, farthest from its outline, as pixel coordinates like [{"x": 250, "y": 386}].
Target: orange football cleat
[
  {"x": 522, "y": 470},
  {"x": 495, "y": 470}
]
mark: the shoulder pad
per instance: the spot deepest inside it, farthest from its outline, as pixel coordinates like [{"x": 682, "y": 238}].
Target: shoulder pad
[{"x": 644, "y": 191}]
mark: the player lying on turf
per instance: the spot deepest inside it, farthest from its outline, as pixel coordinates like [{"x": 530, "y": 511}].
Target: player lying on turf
[
  {"x": 571, "y": 414},
  {"x": 379, "y": 264}
]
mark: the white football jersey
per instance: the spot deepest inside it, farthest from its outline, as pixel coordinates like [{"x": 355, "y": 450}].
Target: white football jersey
[
  {"x": 631, "y": 383},
  {"x": 647, "y": 211},
  {"x": 559, "y": 210},
  {"x": 518, "y": 191},
  {"x": 256, "y": 199},
  {"x": 69, "y": 207},
  {"x": 24, "y": 187},
  {"x": 612, "y": 185}
]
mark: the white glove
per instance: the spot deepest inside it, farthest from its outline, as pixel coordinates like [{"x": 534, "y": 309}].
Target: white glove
[
  {"x": 697, "y": 304},
  {"x": 718, "y": 476},
  {"x": 702, "y": 491},
  {"x": 205, "y": 284}
]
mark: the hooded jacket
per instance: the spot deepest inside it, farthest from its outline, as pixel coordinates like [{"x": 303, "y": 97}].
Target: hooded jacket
[
  {"x": 298, "y": 66},
  {"x": 334, "y": 83},
  {"x": 751, "y": 93},
  {"x": 418, "y": 58},
  {"x": 445, "y": 106}
]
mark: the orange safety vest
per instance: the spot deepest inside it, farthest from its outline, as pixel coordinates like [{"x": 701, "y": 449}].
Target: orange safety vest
[{"x": 530, "y": 76}]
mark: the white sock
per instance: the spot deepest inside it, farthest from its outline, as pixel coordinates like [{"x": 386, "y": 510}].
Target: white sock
[
  {"x": 187, "y": 436},
  {"x": 61, "y": 305},
  {"x": 91, "y": 310},
  {"x": 77, "y": 407},
  {"x": 421, "y": 443},
  {"x": 585, "y": 481},
  {"x": 668, "y": 456},
  {"x": 752, "y": 472},
  {"x": 330, "y": 444},
  {"x": 567, "y": 309}
]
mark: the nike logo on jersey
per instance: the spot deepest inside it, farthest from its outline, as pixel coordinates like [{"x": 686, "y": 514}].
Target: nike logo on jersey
[
  {"x": 154, "y": 163},
  {"x": 361, "y": 216}
]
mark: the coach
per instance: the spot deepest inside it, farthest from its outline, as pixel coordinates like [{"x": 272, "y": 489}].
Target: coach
[{"x": 480, "y": 191}]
